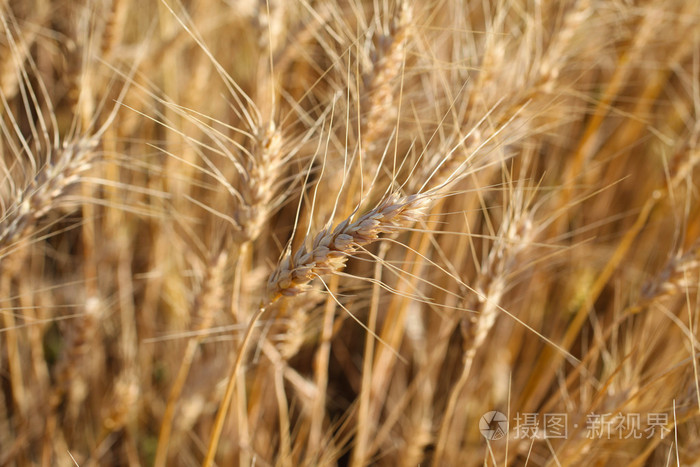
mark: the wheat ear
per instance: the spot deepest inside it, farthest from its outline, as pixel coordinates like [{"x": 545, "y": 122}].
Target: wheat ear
[
  {"x": 331, "y": 248},
  {"x": 47, "y": 189}
]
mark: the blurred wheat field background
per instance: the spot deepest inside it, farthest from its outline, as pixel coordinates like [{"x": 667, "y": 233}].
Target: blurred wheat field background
[{"x": 346, "y": 232}]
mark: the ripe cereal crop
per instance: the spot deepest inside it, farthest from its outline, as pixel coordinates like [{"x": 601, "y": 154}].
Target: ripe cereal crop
[{"x": 351, "y": 232}]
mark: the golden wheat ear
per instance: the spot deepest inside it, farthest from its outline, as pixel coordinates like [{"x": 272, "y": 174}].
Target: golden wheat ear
[{"x": 330, "y": 249}]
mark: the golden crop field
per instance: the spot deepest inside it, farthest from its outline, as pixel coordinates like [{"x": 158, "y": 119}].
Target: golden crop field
[{"x": 352, "y": 232}]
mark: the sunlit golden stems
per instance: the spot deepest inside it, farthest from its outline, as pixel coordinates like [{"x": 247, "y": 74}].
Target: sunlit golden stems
[
  {"x": 328, "y": 254},
  {"x": 208, "y": 303}
]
